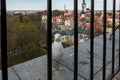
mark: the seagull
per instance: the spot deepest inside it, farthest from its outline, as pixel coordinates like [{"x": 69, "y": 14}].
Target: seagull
[{"x": 57, "y": 51}]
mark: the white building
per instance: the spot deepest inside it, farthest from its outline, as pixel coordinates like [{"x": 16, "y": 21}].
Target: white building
[{"x": 44, "y": 17}]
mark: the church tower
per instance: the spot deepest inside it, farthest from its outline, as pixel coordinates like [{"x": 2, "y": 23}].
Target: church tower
[
  {"x": 64, "y": 7},
  {"x": 65, "y": 11},
  {"x": 83, "y": 6}
]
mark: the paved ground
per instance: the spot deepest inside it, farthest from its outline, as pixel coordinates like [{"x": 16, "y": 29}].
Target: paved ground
[
  {"x": 36, "y": 69},
  {"x": 117, "y": 77}
]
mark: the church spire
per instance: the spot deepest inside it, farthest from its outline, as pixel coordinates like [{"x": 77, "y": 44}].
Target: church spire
[
  {"x": 65, "y": 7},
  {"x": 83, "y": 2},
  {"x": 83, "y": 6}
]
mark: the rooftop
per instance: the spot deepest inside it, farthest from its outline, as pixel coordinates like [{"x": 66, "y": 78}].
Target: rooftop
[{"x": 36, "y": 69}]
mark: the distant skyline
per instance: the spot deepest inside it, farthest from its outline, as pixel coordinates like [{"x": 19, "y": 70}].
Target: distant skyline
[{"x": 56, "y": 4}]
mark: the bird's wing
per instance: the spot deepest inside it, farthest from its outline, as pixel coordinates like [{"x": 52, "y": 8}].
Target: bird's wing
[{"x": 57, "y": 50}]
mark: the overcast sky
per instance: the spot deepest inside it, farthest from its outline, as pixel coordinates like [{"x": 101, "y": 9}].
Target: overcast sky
[{"x": 56, "y": 4}]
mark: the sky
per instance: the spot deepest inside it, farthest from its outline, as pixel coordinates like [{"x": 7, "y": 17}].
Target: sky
[{"x": 56, "y": 4}]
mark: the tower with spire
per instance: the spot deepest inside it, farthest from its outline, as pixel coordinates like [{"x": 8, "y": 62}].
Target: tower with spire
[
  {"x": 83, "y": 6},
  {"x": 65, "y": 11},
  {"x": 65, "y": 7}
]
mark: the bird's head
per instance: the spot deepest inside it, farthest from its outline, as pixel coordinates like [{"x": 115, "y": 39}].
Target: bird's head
[{"x": 57, "y": 37}]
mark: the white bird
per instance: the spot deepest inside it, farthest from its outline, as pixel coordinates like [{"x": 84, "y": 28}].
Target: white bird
[{"x": 57, "y": 50}]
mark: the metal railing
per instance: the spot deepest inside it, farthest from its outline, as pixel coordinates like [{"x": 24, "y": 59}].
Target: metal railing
[
  {"x": 104, "y": 40},
  {"x": 4, "y": 40},
  {"x": 49, "y": 40},
  {"x": 92, "y": 42}
]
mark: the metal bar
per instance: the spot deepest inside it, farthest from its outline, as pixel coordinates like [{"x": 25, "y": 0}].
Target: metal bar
[
  {"x": 104, "y": 40},
  {"x": 4, "y": 40},
  {"x": 113, "y": 41},
  {"x": 49, "y": 39},
  {"x": 92, "y": 41},
  {"x": 119, "y": 33},
  {"x": 75, "y": 40},
  {"x": 112, "y": 76}
]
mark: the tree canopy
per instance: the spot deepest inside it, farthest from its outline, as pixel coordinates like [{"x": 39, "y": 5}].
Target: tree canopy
[{"x": 25, "y": 40}]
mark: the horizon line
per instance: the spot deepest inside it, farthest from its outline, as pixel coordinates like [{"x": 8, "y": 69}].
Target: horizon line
[{"x": 46, "y": 9}]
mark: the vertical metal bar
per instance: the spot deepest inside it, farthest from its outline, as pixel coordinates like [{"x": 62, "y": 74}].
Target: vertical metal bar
[
  {"x": 113, "y": 41},
  {"x": 92, "y": 41},
  {"x": 104, "y": 40},
  {"x": 119, "y": 34},
  {"x": 4, "y": 40},
  {"x": 49, "y": 39},
  {"x": 75, "y": 40}
]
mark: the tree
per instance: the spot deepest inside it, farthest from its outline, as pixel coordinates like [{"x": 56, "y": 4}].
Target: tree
[
  {"x": 26, "y": 19},
  {"x": 57, "y": 13},
  {"x": 25, "y": 41}
]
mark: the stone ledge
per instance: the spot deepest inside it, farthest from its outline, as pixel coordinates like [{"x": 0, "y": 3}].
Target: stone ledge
[{"x": 36, "y": 69}]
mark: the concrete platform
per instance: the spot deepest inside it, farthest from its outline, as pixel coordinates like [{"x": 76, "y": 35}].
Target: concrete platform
[{"x": 36, "y": 69}]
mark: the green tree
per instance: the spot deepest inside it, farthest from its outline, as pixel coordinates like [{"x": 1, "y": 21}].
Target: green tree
[
  {"x": 57, "y": 12},
  {"x": 25, "y": 41},
  {"x": 26, "y": 19}
]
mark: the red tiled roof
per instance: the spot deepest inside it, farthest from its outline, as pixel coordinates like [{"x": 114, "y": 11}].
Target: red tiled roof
[
  {"x": 117, "y": 16},
  {"x": 87, "y": 25},
  {"x": 109, "y": 16},
  {"x": 118, "y": 11},
  {"x": 66, "y": 11},
  {"x": 96, "y": 16},
  {"x": 79, "y": 17},
  {"x": 58, "y": 17},
  {"x": 108, "y": 21},
  {"x": 67, "y": 18},
  {"x": 87, "y": 14},
  {"x": 44, "y": 12},
  {"x": 72, "y": 15}
]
